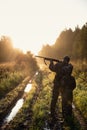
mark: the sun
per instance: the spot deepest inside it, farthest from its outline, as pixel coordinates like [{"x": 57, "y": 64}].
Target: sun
[{"x": 27, "y": 45}]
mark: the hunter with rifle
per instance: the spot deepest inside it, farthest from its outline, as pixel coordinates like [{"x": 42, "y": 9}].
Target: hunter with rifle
[{"x": 64, "y": 83}]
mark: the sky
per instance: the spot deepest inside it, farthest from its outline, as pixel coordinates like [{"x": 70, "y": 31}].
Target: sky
[{"x": 33, "y": 23}]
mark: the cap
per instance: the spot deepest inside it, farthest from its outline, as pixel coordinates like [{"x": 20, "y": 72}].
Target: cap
[{"x": 67, "y": 58}]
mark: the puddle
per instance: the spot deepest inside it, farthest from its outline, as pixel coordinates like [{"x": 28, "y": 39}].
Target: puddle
[
  {"x": 14, "y": 110},
  {"x": 73, "y": 106},
  {"x": 36, "y": 73},
  {"x": 18, "y": 105},
  {"x": 28, "y": 88},
  {"x": 46, "y": 126}
]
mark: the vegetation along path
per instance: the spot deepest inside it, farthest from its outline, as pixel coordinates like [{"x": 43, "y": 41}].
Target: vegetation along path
[{"x": 35, "y": 113}]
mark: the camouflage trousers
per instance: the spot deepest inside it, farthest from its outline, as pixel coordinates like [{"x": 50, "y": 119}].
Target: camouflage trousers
[
  {"x": 67, "y": 98},
  {"x": 55, "y": 95}
]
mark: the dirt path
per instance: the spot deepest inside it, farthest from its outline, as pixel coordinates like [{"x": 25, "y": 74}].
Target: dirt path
[
  {"x": 27, "y": 121},
  {"x": 80, "y": 119}
]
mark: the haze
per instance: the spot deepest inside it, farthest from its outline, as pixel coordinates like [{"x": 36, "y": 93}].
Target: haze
[{"x": 32, "y": 23}]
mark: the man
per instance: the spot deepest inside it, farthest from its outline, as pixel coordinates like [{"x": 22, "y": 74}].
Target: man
[{"x": 61, "y": 69}]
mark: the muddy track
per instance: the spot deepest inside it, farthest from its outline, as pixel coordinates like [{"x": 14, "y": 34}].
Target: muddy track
[
  {"x": 5, "y": 109},
  {"x": 77, "y": 122},
  {"x": 56, "y": 124},
  {"x": 59, "y": 123},
  {"x": 26, "y": 124},
  {"x": 80, "y": 119}
]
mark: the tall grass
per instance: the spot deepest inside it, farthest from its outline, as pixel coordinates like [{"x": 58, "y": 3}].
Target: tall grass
[
  {"x": 33, "y": 115},
  {"x": 7, "y": 84},
  {"x": 80, "y": 93}
]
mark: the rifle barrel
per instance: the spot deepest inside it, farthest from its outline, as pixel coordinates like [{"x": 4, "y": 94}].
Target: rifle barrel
[{"x": 46, "y": 58}]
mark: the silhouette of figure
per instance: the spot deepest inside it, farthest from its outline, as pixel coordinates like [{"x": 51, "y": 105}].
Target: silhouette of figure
[{"x": 64, "y": 83}]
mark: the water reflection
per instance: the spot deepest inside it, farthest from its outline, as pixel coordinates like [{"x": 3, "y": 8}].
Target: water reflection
[
  {"x": 36, "y": 73},
  {"x": 73, "y": 106},
  {"x": 14, "y": 110},
  {"x": 18, "y": 105},
  {"x": 28, "y": 88}
]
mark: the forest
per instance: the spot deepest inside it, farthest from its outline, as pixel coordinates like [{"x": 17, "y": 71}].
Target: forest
[
  {"x": 72, "y": 43},
  {"x": 18, "y": 70}
]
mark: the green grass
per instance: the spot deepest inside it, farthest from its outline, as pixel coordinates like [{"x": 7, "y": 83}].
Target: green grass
[
  {"x": 80, "y": 93},
  {"x": 11, "y": 96},
  {"x": 43, "y": 84}
]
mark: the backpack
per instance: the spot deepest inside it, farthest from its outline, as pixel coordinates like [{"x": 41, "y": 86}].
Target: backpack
[{"x": 68, "y": 82}]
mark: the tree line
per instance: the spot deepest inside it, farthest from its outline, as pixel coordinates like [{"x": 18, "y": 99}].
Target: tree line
[
  {"x": 72, "y": 43},
  {"x": 7, "y": 51},
  {"x": 10, "y": 54}
]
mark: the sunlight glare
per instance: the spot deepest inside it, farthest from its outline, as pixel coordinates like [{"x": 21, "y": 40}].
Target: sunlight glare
[{"x": 27, "y": 45}]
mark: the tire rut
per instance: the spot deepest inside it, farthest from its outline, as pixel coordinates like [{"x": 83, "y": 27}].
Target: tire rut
[
  {"x": 80, "y": 119},
  {"x": 27, "y": 121}
]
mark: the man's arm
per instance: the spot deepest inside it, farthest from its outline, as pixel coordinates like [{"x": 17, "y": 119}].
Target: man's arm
[{"x": 53, "y": 67}]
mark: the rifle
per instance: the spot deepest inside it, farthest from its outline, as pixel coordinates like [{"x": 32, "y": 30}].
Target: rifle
[{"x": 49, "y": 59}]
